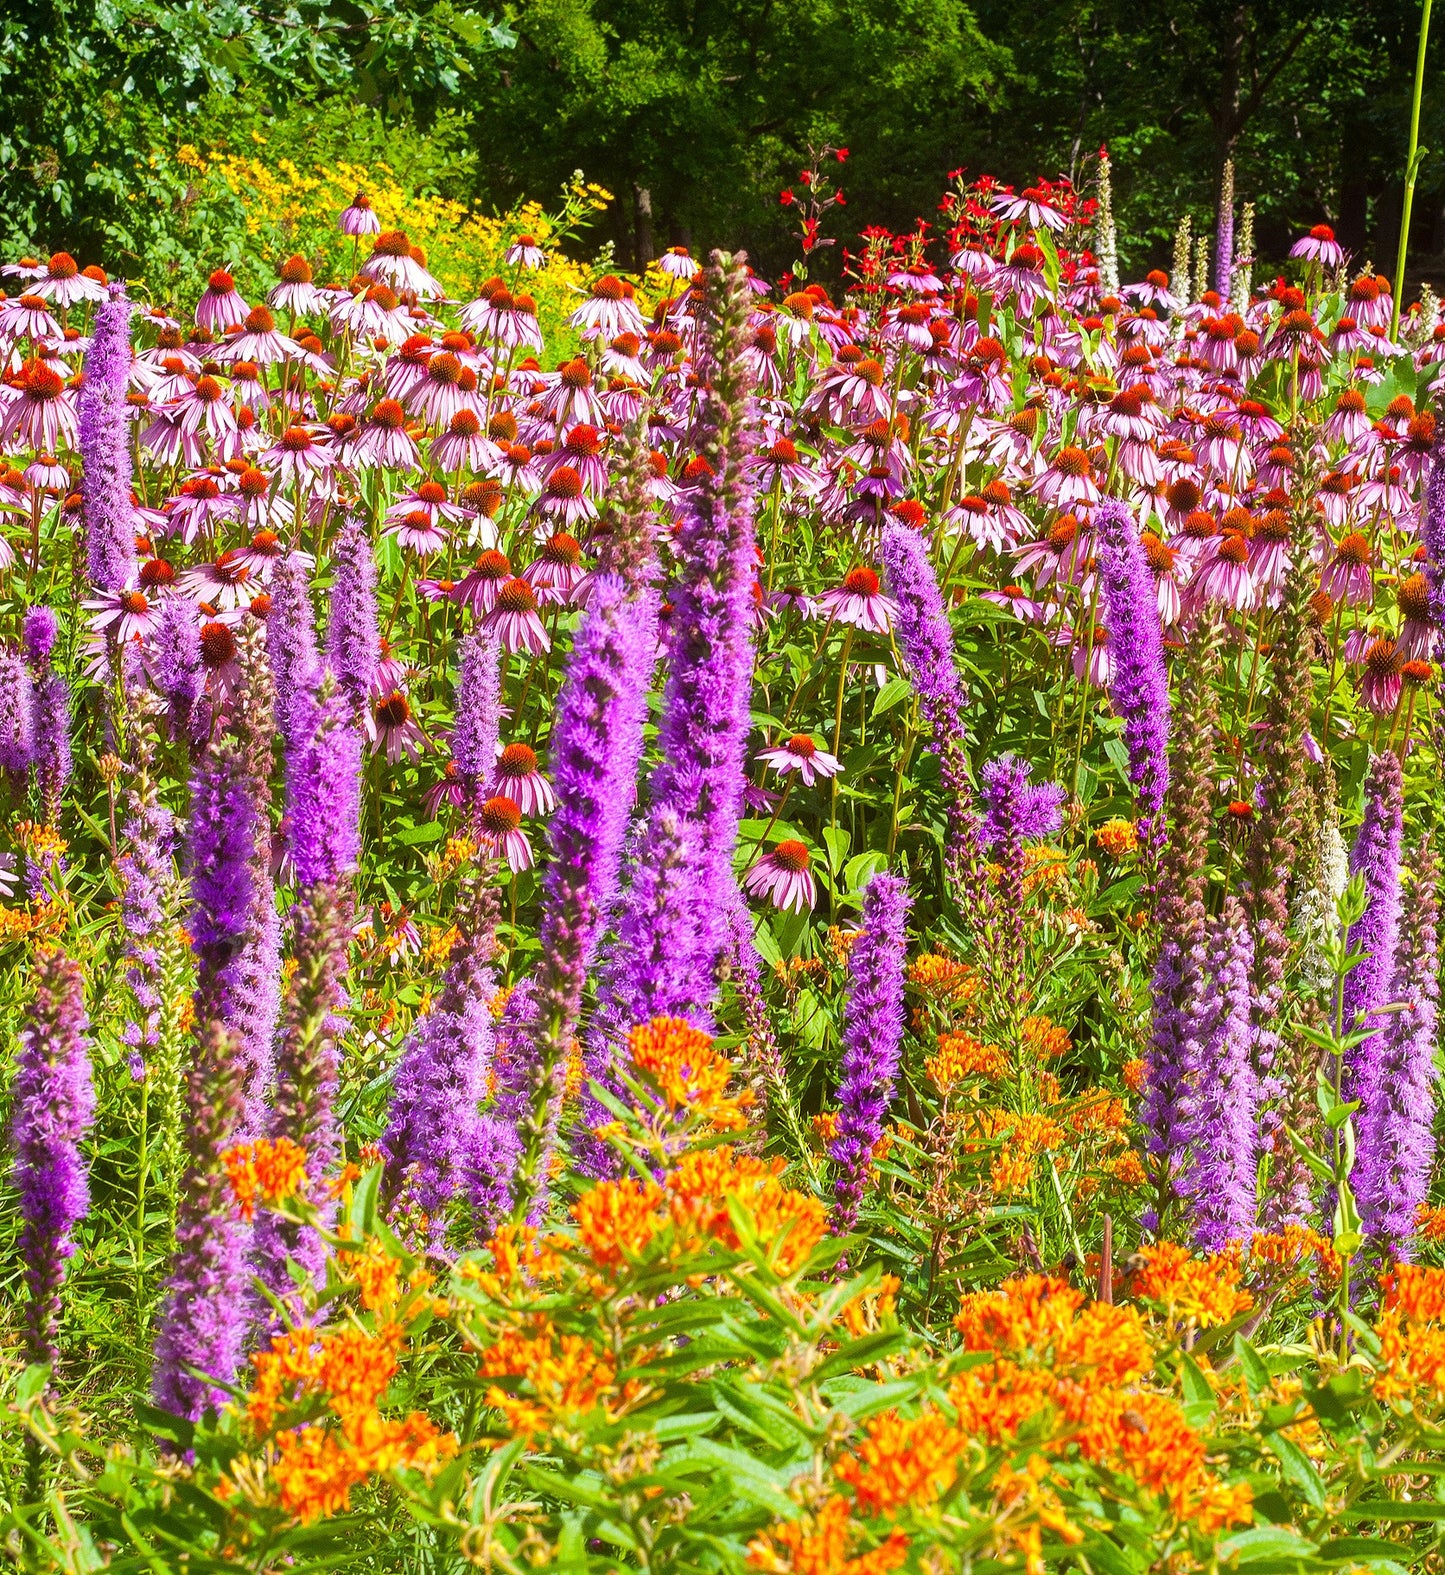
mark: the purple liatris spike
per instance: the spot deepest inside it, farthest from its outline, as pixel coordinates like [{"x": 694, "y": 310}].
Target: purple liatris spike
[
  {"x": 353, "y": 639},
  {"x": 53, "y": 1103},
  {"x": 1138, "y": 678},
  {"x": 1397, "y": 1137},
  {"x": 478, "y": 711},
  {"x": 17, "y": 712},
  {"x": 596, "y": 748},
  {"x": 1224, "y": 235},
  {"x": 1222, "y": 1181},
  {"x": 1016, "y": 807},
  {"x": 1376, "y": 857},
  {"x": 324, "y": 778},
  {"x": 872, "y": 1039},
  {"x": 1432, "y": 534},
  {"x": 203, "y": 1322},
  {"x": 176, "y": 663},
  {"x": 105, "y": 464},
  {"x": 432, "y": 1136},
  {"x": 147, "y": 874},
  {"x": 291, "y": 652},
  {"x": 705, "y": 713},
  {"x": 50, "y": 728},
  {"x": 925, "y": 640}
]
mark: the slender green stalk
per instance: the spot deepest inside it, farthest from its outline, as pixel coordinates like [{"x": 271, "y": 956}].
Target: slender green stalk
[{"x": 1413, "y": 159}]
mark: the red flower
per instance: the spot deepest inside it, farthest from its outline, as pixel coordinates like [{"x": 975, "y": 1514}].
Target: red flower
[
  {"x": 840, "y": 199},
  {"x": 841, "y": 154},
  {"x": 806, "y": 176},
  {"x": 787, "y": 198}
]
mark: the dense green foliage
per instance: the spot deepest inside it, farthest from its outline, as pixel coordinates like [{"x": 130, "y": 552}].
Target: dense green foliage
[{"x": 696, "y": 115}]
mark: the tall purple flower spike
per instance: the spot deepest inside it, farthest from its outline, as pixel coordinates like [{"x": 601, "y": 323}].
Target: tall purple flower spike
[
  {"x": 1222, "y": 1181},
  {"x": 1375, "y": 856},
  {"x": 872, "y": 1039},
  {"x": 53, "y": 1103},
  {"x": 1139, "y": 679},
  {"x": 105, "y": 463}
]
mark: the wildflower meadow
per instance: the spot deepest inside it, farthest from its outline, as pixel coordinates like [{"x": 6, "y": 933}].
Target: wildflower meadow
[{"x": 686, "y": 922}]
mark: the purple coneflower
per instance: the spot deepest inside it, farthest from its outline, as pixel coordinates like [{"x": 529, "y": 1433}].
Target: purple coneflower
[
  {"x": 801, "y": 754},
  {"x": 872, "y": 1039},
  {"x": 516, "y": 775},
  {"x": 859, "y": 601},
  {"x": 513, "y": 619},
  {"x": 783, "y": 875},
  {"x": 54, "y": 1104}
]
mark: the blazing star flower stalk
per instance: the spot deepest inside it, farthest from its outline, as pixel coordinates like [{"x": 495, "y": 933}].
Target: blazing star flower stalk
[
  {"x": 179, "y": 677},
  {"x": 434, "y": 1124},
  {"x": 1223, "y": 1136},
  {"x": 1243, "y": 286},
  {"x": 1375, "y": 856},
  {"x": 50, "y": 729},
  {"x": 478, "y": 708},
  {"x": 1270, "y": 859},
  {"x": 1181, "y": 970},
  {"x": 105, "y": 463},
  {"x": 291, "y": 653},
  {"x": 434, "y": 1131},
  {"x": 872, "y": 1040},
  {"x": 1138, "y": 678},
  {"x": 353, "y": 638},
  {"x": 1015, "y": 811},
  {"x": 596, "y": 749},
  {"x": 326, "y": 850},
  {"x": 146, "y": 872},
  {"x": 1397, "y": 1141},
  {"x": 1224, "y": 234},
  {"x": 705, "y": 714},
  {"x": 1180, "y": 286},
  {"x": 204, "y": 1319},
  {"x": 925, "y": 639},
  {"x": 1104, "y": 230},
  {"x": 53, "y": 1106},
  {"x": 1432, "y": 534},
  {"x": 255, "y": 1008},
  {"x": 17, "y": 713}
]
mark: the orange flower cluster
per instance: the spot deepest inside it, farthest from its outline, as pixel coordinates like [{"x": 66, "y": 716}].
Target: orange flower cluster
[
  {"x": 1047, "y": 867},
  {"x": 1202, "y": 1291},
  {"x": 690, "y": 1074},
  {"x": 818, "y": 1543},
  {"x": 565, "y": 1374},
  {"x": 1287, "y": 1250},
  {"x": 1411, "y": 1327},
  {"x": 267, "y": 1171},
  {"x": 961, "y": 1055},
  {"x": 1082, "y": 1366},
  {"x": 1022, "y": 1139},
  {"x": 1043, "y": 1039},
  {"x": 942, "y": 980},
  {"x": 317, "y": 1465},
  {"x": 1430, "y": 1223},
  {"x": 620, "y": 1220},
  {"x": 1117, "y": 837}
]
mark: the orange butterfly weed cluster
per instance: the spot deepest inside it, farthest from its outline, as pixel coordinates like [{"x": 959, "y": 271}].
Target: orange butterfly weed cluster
[
  {"x": 1411, "y": 1327},
  {"x": 318, "y": 1464},
  {"x": 691, "y": 1076},
  {"x": 265, "y": 1171}
]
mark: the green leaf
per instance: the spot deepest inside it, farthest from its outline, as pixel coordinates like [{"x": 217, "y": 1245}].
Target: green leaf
[
  {"x": 433, "y": 831},
  {"x": 893, "y": 693},
  {"x": 837, "y": 841},
  {"x": 1256, "y": 1374},
  {"x": 1297, "y": 1468},
  {"x": 1264, "y": 1542}
]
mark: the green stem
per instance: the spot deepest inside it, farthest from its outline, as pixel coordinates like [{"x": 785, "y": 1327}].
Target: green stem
[{"x": 1412, "y": 167}]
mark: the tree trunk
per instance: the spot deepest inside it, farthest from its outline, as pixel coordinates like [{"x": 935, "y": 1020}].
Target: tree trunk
[{"x": 642, "y": 225}]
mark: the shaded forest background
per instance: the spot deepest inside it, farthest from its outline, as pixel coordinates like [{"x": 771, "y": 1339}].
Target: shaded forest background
[{"x": 695, "y": 113}]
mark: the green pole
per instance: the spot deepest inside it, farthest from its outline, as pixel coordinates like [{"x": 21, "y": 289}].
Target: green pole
[{"x": 1412, "y": 166}]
